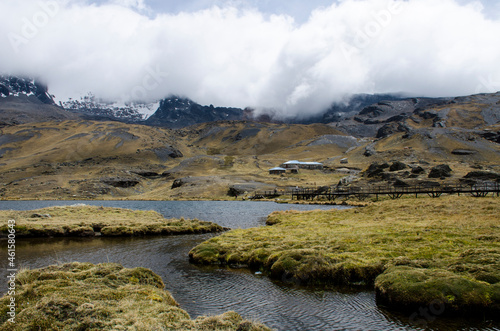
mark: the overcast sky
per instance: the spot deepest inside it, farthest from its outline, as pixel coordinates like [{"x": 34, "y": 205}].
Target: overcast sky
[{"x": 293, "y": 55}]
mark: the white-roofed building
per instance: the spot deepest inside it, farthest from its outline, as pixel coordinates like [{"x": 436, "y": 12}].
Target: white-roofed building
[
  {"x": 291, "y": 164},
  {"x": 277, "y": 171},
  {"x": 294, "y": 164}
]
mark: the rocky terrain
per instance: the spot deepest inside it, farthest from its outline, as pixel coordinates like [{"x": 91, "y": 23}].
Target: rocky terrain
[
  {"x": 176, "y": 112},
  {"x": 24, "y": 100},
  {"x": 96, "y": 160},
  {"x": 52, "y": 153}
]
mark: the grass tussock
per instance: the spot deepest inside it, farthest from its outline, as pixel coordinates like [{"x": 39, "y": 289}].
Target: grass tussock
[
  {"x": 452, "y": 244},
  {"x": 84, "y": 296},
  {"x": 88, "y": 221}
]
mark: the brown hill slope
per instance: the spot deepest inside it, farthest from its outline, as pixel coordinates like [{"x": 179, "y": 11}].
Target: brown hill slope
[
  {"x": 85, "y": 159},
  {"x": 28, "y": 109},
  {"x": 82, "y": 159}
]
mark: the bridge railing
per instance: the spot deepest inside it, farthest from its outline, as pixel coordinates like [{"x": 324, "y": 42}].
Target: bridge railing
[
  {"x": 397, "y": 191},
  {"x": 331, "y": 192}
]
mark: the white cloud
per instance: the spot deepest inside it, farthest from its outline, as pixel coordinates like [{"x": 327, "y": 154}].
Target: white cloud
[
  {"x": 136, "y": 4},
  {"x": 242, "y": 57}
]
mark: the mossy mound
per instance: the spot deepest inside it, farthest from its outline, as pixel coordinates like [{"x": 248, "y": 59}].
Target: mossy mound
[
  {"x": 84, "y": 296},
  {"x": 410, "y": 288},
  {"x": 354, "y": 247},
  {"x": 89, "y": 221}
]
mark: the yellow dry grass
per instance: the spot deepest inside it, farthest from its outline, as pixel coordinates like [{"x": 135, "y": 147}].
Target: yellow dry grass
[
  {"x": 70, "y": 159},
  {"x": 458, "y": 234},
  {"x": 89, "y": 220},
  {"x": 83, "y": 296}
]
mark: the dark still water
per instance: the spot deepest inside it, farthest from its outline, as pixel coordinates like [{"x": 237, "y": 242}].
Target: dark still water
[{"x": 212, "y": 291}]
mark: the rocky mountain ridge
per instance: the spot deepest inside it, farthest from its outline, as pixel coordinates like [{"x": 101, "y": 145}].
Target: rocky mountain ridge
[
  {"x": 18, "y": 86},
  {"x": 93, "y": 108},
  {"x": 177, "y": 112},
  {"x": 363, "y": 115},
  {"x": 26, "y": 100}
]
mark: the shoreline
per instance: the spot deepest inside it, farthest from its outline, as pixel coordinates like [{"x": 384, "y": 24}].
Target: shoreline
[
  {"x": 435, "y": 249},
  {"x": 352, "y": 203},
  {"x": 95, "y": 221}
]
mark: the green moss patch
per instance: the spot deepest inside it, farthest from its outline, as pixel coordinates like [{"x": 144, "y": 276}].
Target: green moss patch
[
  {"x": 83, "y": 296},
  {"x": 89, "y": 221},
  {"x": 410, "y": 288},
  {"x": 457, "y": 235}
]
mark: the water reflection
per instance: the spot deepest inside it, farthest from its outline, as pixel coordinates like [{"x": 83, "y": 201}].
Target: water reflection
[{"x": 211, "y": 291}]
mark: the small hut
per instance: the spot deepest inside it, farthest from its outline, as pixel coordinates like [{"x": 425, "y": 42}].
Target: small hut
[
  {"x": 311, "y": 165},
  {"x": 291, "y": 164},
  {"x": 277, "y": 171},
  {"x": 294, "y": 164}
]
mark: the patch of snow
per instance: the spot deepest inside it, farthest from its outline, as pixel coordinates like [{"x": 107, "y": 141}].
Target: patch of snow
[{"x": 122, "y": 110}]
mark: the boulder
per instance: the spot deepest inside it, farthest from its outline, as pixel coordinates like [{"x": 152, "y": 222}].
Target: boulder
[
  {"x": 440, "y": 171},
  {"x": 235, "y": 191},
  {"x": 492, "y": 136},
  {"x": 417, "y": 170},
  {"x": 120, "y": 182},
  {"x": 391, "y": 128},
  {"x": 428, "y": 114},
  {"x": 37, "y": 215},
  {"x": 178, "y": 183},
  {"x": 376, "y": 169},
  {"x": 399, "y": 183},
  {"x": 396, "y": 166},
  {"x": 463, "y": 152},
  {"x": 483, "y": 176},
  {"x": 369, "y": 151}
]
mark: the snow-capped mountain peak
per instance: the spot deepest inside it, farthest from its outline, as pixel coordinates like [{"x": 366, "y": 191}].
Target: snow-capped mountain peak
[
  {"x": 23, "y": 86},
  {"x": 95, "y": 107}
]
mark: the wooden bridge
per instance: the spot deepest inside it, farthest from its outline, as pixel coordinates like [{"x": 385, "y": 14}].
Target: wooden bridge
[{"x": 394, "y": 192}]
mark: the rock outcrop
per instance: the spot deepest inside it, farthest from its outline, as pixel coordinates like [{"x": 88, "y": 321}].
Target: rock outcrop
[
  {"x": 177, "y": 112},
  {"x": 440, "y": 171}
]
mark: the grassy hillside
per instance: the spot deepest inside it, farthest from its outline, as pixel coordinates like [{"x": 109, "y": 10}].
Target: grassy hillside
[
  {"x": 82, "y": 159},
  {"x": 112, "y": 160}
]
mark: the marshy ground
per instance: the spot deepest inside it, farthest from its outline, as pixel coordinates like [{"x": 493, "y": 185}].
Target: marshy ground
[
  {"x": 89, "y": 221},
  {"x": 415, "y": 252},
  {"x": 84, "y": 296}
]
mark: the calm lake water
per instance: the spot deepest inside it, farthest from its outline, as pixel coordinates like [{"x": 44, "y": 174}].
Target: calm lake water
[{"x": 212, "y": 291}]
